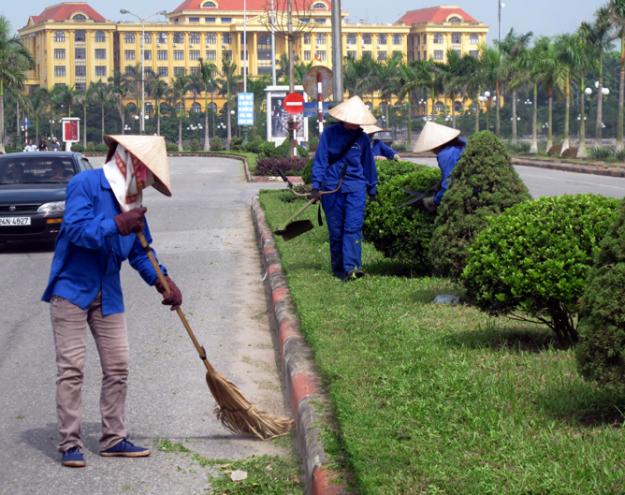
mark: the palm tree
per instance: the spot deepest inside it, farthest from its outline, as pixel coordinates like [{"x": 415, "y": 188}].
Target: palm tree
[
  {"x": 177, "y": 91},
  {"x": 565, "y": 46},
  {"x": 585, "y": 59},
  {"x": 616, "y": 10},
  {"x": 490, "y": 60},
  {"x": 538, "y": 65},
  {"x": 227, "y": 83},
  {"x": 14, "y": 62},
  {"x": 360, "y": 76},
  {"x": 453, "y": 79},
  {"x": 157, "y": 89},
  {"x": 120, "y": 90},
  {"x": 65, "y": 97},
  {"x": 134, "y": 77},
  {"x": 206, "y": 77},
  {"x": 83, "y": 98},
  {"x": 101, "y": 94},
  {"x": 39, "y": 103},
  {"x": 389, "y": 81}
]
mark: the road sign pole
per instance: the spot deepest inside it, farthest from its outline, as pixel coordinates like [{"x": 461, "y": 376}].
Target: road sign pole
[{"x": 320, "y": 102}]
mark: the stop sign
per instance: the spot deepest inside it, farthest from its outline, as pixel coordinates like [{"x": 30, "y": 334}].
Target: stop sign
[{"x": 294, "y": 103}]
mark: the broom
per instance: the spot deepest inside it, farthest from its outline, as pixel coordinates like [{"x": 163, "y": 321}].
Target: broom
[{"x": 233, "y": 410}]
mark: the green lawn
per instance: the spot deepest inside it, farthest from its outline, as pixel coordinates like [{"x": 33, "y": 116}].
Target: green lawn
[
  {"x": 251, "y": 158},
  {"x": 444, "y": 399}
]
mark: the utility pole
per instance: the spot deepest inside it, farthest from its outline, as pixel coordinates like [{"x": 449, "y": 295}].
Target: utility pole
[
  {"x": 337, "y": 52},
  {"x": 272, "y": 21},
  {"x": 499, "y": 20}
]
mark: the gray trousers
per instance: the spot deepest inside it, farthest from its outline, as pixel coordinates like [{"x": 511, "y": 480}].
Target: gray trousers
[{"x": 69, "y": 323}]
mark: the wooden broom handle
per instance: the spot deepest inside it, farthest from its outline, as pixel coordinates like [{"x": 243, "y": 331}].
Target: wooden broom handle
[
  {"x": 310, "y": 202},
  {"x": 198, "y": 347}
]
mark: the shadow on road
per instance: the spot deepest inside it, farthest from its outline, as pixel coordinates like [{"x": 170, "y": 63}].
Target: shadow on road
[
  {"x": 23, "y": 247},
  {"x": 45, "y": 438}
]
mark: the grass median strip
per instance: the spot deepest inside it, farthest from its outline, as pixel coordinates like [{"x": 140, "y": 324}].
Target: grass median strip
[{"x": 444, "y": 399}]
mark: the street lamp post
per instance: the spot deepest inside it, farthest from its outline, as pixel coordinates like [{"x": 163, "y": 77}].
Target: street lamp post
[{"x": 142, "y": 21}]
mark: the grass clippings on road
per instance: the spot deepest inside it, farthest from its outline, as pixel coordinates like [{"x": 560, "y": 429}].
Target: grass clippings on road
[{"x": 444, "y": 399}]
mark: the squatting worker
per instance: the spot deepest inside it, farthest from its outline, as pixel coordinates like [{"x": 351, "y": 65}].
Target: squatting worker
[
  {"x": 344, "y": 157},
  {"x": 103, "y": 213},
  {"x": 379, "y": 149},
  {"x": 448, "y": 146}
]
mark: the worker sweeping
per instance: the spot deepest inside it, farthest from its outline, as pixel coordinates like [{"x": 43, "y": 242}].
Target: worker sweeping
[
  {"x": 344, "y": 158},
  {"x": 379, "y": 149},
  {"x": 448, "y": 146},
  {"x": 103, "y": 215}
]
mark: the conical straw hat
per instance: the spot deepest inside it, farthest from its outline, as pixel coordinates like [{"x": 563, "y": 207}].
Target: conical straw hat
[
  {"x": 434, "y": 135},
  {"x": 353, "y": 111},
  {"x": 371, "y": 129},
  {"x": 150, "y": 150}
]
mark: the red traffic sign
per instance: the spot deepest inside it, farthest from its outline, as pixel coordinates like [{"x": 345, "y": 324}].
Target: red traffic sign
[{"x": 294, "y": 103}]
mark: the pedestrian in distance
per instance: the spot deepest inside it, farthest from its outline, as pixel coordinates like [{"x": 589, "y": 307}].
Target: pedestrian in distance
[
  {"x": 103, "y": 213},
  {"x": 344, "y": 160},
  {"x": 448, "y": 146},
  {"x": 43, "y": 145},
  {"x": 56, "y": 146},
  {"x": 380, "y": 150}
]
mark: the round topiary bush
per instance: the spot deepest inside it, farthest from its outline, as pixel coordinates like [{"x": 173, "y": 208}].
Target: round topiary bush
[
  {"x": 387, "y": 169},
  {"x": 484, "y": 183},
  {"x": 402, "y": 233},
  {"x": 535, "y": 259},
  {"x": 601, "y": 351}
]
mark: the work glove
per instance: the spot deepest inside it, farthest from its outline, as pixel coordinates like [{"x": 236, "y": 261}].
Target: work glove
[
  {"x": 130, "y": 221},
  {"x": 174, "y": 297},
  {"x": 429, "y": 204},
  {"x": 314, "y": 194}
]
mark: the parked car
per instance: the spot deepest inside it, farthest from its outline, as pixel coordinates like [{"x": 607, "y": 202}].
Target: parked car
[{"x": 32, "y": 193}]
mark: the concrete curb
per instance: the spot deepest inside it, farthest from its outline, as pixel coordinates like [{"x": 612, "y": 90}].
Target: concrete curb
[
  {"x": 572, "y": 167},
  {"x": 301, "y": 379}
]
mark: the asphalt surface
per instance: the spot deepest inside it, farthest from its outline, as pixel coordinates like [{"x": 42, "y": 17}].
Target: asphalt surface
[
  {"x": 547, "y": 182},
  {"x": 204, "y": 235}
]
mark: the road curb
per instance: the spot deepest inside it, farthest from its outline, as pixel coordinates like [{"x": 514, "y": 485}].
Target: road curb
[
  {"x": 302, "y": 381},
  {"x": 571, "y": 167}
]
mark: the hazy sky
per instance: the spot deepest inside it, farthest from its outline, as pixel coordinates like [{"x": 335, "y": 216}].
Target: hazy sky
[{"x": 546, "y": 17}]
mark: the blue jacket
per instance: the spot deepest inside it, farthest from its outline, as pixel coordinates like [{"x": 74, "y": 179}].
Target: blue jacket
[
  {"x": 378, "y": 148},
  {"x": 361, "y": 173},
  {"x": 447, "y": 159},
  {"x": 89, "y": 249}
]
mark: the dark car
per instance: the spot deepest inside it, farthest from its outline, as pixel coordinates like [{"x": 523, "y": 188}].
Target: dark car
[{"x": 32, "y": 193}]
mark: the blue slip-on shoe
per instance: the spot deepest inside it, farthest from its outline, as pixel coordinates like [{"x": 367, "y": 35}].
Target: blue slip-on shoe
[
  {"x": 73, "y": 458},
  {"x": 125, "y": 448}
]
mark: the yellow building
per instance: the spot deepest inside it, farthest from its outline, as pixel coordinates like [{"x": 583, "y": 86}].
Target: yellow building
[{"x": 73, "y": 44}]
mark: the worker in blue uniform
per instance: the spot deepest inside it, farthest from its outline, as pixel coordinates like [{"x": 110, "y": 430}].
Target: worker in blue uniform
[
  {"x": 380, "y": 150},
  {"x": 344, "y": 160},
  {"x": 448, "y": 146}
]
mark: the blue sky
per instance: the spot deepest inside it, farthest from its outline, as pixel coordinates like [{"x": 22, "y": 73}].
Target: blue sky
[{"x": 543, "y": 17}]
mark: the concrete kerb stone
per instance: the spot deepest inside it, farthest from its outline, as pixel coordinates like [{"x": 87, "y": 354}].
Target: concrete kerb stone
[
  {"x": 571, "y": 167},
  {"x": 308, "y": 402}
]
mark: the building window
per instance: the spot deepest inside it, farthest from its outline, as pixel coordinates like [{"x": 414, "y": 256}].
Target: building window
[
  {"x": 456, "y": 38},
  {"x": 129, "y": 54},
  {"x": 397, "y": 39},
  {"x": 59, "y": 53},
  {"x": 226, "y": 54},
  {"x": 320, "y": 21},
  {"x": 307, "y": 38},
  {"x": 178, "y": 71},
  {"x": 178, "y": 55},
  {"x": 382, "y": 39},
  {"x": 211, "y": 55},
  {"x": 100, "y": 37},
  {"x": 454, "y": 20},
  {"x": 320, "y": 55},
  {"x": 81, "y": 71},
  {"x": 147, "y": 54},
  {"x": 438, "y": 38},
  {"x": 162, "y": 38},
  {"x": 320, "y": 39},
  {"x": 210, "y": 20},
  {"x": 59, "y": 36},
  {"x": 226, "y": 20},
  {"x": 265, "y": 39},
  {"x": 79, "y": 35},
  {"x": 474, "y": 39},
  {"x": 194, "y": 71},
  {"x": 162, "y": 54},
  {"x": 366, "y": 39},
  {"x": 194, "y": 20},
  {"x": 209, "y": 4},
  {"x": 351, "y": 39},
  {"x": 226, "y": 38},
  {"x": 304, "y": 20},
  {"x": 80, "y": 87},
  {"x": 194, "y": 55},
  {"x": 194, "y": 38},
  {"x": 100, "y": 53},
  {"x": 129, "y": 37},
  {"x": 195, "y": 107},
  {"x": 178, "y": 38},
  {"x": 319, "y": 6},
  {"x": 307, "y": 55},
  {"x": 79, "y": 17},
  {"x": 59, "y": 71},
  {"x": 366, "y": 54},
  {"x": 163, "y": 71},
  {"x": 211, "y": 38},
  {"x": 438, "y": 55},
  {"x": 80, "y": 53},
  {"x": 100, "y": 71},
  {"x": 382, "y": 55},
  {"x": 351, "y": 54},
  {"x": 423, "y": 38}
]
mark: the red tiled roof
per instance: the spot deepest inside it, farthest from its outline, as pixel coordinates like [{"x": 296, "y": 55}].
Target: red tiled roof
[
  {"x": 65, "y": 11},
  {"x": 259, "y": 5},
  {"x": 434, "y": 15}
]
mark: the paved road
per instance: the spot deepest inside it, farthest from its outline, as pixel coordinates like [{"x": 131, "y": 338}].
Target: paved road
[
  {"x": 205, "y": 236},
  {"x": 546, "y": 182}
]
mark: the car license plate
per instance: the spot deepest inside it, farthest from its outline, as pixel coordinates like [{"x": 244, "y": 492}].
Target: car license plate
[{"x": 14, "y": 221}]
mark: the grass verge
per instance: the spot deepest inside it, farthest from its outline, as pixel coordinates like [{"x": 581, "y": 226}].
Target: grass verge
[{"x": 444, "y": 399}]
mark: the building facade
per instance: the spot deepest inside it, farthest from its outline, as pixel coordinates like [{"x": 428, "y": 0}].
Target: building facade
[{"x": 73, "y": 44}]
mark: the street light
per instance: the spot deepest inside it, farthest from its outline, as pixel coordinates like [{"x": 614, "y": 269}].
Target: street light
[{"x": 142, "y": 21}]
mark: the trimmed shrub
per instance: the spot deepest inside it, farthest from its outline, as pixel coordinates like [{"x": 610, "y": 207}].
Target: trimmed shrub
[
  {"x": 78, "y": 147},
  {"x": 254, "y": 145},
  {"x": 101, "y": 147},
  {"x": 601, "y": 351},
  {"x": 482, "y": 184},
  {"x": 216, "y": 144},
  {"x": 523, "y": 148},
  {"x": 307, "y": 172},
  {"x": 535, "y": 258},
  {"x": 402, "y": 233},
  {"x": 288, "y": 166},
  {"x": 555, "y": 150},
  {"x": 602, "y": 153},
  {"x": 570, "y": 153},
  {"x": 171, "y": 147},
  {"x": 387, "y": 169}
]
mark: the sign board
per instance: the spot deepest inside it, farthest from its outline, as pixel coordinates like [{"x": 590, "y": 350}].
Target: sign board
[
  {"x": 71, "y": 129},
  {"x": 311, "y": 108},
  {"x": 245, "y": 107},
  {"x": 319, "y": 77},
  {"x": 278, "y": 118},
  {"x": 294, "y": 103}
]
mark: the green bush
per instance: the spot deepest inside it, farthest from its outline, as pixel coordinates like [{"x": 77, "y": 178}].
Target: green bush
[
  {"x": 101, "y": 148},
  {"x": 254, "y": 145},
  {"x": 602, "y": 154},
  {"x": 171, "y": 147},
  {"x": 522, "y": 148},
  {"x": 217, "y": 144},
  {"x": 535, "y": 258},
  {"x": 483, "y": 183},
  {"x": 620, "y": 155},
  {"x": 78, "y": 147},
  {"x": 307, "y": 172},
  {"x": 387, "y": 169},
  {"x": 194, "y": 145},
  {"x": 402, "y": 233},
  {"x": 601, "y": 351}
]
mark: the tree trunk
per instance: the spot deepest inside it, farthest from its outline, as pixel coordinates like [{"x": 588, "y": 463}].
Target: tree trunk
[
  {"x": 599, "y": 122},
  {"x": 409, "y": 126},
  {"x": 158, "y": 117},
  {"x": 2, "y": 150},
  {"x": 84, "y": 127},
  {"x": 498, "y": 109},
  {"x": 453, "y": 113},
  {"x": 567, "y": 115},
  {"x": 18, "y": 140},
  {"x": 534, "y": 146},
  {"x": 477, "y": 111},
  {"x": 581, "y": 148},
  {"x": 229, "y": 126},
  {"x": 207, "y": 143},
  {"x": 179, "y": 134},
  {"x": 550, "y": 120},
  {"x": 621, "y": 98},
  {"x": 514, "y": 118},
  {"x": 102, "y": 122}
]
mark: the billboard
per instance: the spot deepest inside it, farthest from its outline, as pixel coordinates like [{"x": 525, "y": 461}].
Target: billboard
[
  {"x": 71, "y": 129},
  {"x": 278, "y": 118}
]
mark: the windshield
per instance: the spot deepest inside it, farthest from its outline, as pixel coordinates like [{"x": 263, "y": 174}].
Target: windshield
[{"x": 21, "y": 169}]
